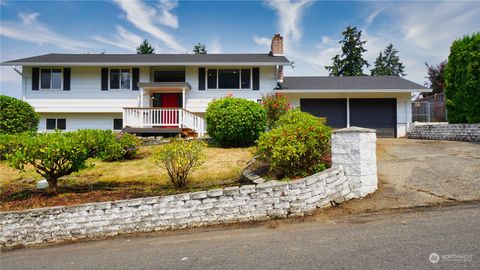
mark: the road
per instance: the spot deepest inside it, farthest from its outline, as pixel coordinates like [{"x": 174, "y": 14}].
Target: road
[{"x": 385, "y": 240}]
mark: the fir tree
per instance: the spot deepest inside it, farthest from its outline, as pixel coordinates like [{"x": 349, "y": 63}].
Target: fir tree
[
  {"x": 200, "y": 49},
  {"x": 388, "y": 63},
  {"x": 145, "y": 48}
]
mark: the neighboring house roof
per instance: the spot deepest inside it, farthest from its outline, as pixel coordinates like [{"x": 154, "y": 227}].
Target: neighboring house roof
[
  {"x": 347, "y": 83},
  {"x": 151, "y": 59}
]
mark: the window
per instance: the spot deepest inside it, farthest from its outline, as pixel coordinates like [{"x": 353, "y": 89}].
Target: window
[
  {"x": 56, "y": 123},
  {"x": 245, "y": 78},
  {"x": 212, "y": 79},
  {"x": 117, "y": 124},
  {"x": 51, "y": 78},
  {"x": 229, "y": 78},
  {"x": 169, "y": 76},
  {"x": 119, "y": 78}
]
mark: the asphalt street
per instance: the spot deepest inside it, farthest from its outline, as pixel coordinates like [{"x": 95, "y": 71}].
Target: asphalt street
[{"x": 384, "y": 240}]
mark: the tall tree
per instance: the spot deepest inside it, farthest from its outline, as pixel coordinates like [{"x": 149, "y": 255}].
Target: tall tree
[
  {"x": 145, "y": 48},
  {"x": 350, "y": 62},
  {"x": 388, "y": 63},
  {"x": 435, "y": 77},
  {"x": 200, "y": 49}
]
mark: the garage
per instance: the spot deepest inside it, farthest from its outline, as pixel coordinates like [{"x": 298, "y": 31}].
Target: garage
[
  {"x": 335, "y": 110},
  {"x": 376, "y": 113}
]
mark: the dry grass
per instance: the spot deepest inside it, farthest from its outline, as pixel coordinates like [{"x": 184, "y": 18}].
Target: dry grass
[
  {"x": 221, "y": 164},
  {"x": 106, "y": 181}
]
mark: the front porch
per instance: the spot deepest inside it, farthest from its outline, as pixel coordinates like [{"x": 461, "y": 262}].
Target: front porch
[{"x": 162, "y": 110}]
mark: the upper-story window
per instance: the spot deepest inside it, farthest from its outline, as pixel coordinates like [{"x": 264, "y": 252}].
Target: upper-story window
[
  {"x": 229, "y": 78},
  {"x": 51, "y": 78},
  {"x": 120, "y": 79}
]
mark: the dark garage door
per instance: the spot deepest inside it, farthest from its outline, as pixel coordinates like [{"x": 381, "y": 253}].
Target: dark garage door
[
  {"x": 376, "y": 113},
  {"x": 335, "y": 110}
]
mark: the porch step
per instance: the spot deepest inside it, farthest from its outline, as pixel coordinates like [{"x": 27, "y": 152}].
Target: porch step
[{"x": 190, "y": 133}]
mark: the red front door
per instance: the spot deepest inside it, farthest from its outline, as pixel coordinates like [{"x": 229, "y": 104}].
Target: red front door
[{"x": 169, "y": 116}]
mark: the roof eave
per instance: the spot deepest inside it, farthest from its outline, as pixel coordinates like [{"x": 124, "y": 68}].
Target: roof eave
[
  {"x": 82, "y": 64},
  {"x": 351, "y": 90}
]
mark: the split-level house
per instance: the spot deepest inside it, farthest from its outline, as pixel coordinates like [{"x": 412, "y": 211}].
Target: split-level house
[{"x": 169, "y": 93}]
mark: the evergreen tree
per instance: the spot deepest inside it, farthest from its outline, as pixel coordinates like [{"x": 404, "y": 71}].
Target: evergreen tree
[
  {"x": 350, "y": 62},
  {"x": 200, "y": 49},
  {"x": 145, "y": 48},
  {"x": 388, "y": 63}
]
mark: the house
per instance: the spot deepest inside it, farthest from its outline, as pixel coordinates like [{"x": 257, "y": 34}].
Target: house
[{"x": 169, "y": 93}]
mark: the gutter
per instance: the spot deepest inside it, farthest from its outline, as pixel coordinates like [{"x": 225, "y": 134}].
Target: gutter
[
  {"x": 90, "y": 64},
  {"x": 303, "y": 91}
]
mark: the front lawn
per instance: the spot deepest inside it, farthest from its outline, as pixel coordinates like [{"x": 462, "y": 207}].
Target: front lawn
[{"x": 119, "y": 180}]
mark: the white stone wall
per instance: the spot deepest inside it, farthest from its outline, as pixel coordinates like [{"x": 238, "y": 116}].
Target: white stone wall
[
  {"x": 219, "y": 206},
  {"x": 450, "y": 132},
  {"x": 355, "y": 149}
]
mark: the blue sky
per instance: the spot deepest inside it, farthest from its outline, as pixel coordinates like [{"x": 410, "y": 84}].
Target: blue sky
[{"x": 421, "y": 30}]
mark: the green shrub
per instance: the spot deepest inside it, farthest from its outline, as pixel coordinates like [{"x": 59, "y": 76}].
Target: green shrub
[
  {"x": 234, "y": 122},
  {"x": 121, "y": 147},
  {"x": 462, "y": 80},
  {"x": 180, "y": 159},
  {"x": 296, "y": 145},
  {"x": 10, "y": 142},
  {"x": 16, "y": 116},
  {"x": 108, "y": 146},
  {"x": 53, "y": 155},
  {"x": 275, "y": 105}
]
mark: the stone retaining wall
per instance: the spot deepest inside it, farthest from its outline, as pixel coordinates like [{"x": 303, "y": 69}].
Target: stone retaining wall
[
  {"x": 219, "y": 206},
  {"x": 353, "y": 175},
  {"x": 451, "y": 132}
]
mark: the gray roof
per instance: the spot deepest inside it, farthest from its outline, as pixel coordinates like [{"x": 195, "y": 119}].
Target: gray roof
[
  {"x": 149, "y": 59},
  {"x": 349, "y": 83}
]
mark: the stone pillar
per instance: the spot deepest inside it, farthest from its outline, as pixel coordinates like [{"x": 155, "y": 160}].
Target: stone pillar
[{"x": 355, "y": 149}]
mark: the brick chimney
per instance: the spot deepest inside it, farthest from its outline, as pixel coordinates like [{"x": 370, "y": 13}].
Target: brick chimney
[{"x": 276, "y": 49}]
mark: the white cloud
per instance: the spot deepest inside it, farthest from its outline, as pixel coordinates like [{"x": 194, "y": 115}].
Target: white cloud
[
  {"x": 262, "y": 41},
  {"x": 289, "y": 16},
  {"x": 215, "y": 46},
  {"x": 372, "y": 16},
  {"x": 33, "y": 31},
  {"x": 122, "y": 39},
  {"x": 166, "y": 17},
  {"x": 148, "y": 19}
]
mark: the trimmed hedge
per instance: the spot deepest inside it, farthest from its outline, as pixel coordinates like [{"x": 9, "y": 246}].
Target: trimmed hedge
[
  {"x": 17, "y": 116},
  {"x": 235, "y": 122}
]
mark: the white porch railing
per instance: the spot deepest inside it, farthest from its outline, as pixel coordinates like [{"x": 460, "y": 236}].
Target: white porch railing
[{"x": 163, "y": 118}]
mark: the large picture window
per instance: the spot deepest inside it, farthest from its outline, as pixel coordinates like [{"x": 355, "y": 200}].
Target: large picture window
[
  {"x": 229, "y": 78},
  {"x": 51, "y": 78},
  {"x": 120, "y": 79}
]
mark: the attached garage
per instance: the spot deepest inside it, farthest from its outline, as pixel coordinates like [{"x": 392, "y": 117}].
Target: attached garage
[
  {"x": 335, "y": 110},
  {"x": 377, "y": 113}
]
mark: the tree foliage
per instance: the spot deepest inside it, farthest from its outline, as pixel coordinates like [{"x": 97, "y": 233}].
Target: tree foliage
[
  {"x": 436, "y": 78},
  {"x": 462, "y": 80},
  {"x": 235, "y": 122},
  {"x": 388, "y": 63},
  {"x": 180, "y": 159},
  {"x": 200, "y": 48},
  {"x": 17, "y": 116},
  {"x": 53, "y": 155},
  {"x": 145, "y": 48},
  {"x": 351, "y": 61}
]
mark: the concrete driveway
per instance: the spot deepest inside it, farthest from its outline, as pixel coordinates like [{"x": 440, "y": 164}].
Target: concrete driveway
[{"x": 423, "y": 172}]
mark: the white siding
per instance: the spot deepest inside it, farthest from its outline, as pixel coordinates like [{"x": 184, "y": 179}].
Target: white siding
[
  {"x": 404, "y": 110},
  {"x": 76, "y": 121}
]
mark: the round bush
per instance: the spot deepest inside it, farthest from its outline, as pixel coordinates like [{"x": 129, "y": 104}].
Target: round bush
[
  {"x": 296, "y": 146},
  {"x": 235, "y": 122},
  {"x": 17, "y": 116}
]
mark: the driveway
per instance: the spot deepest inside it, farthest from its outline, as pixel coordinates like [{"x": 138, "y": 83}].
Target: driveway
[{"x": 423, "y": 172}]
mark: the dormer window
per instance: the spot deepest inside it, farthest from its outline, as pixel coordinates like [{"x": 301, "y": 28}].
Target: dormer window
[{"x": 51, "y": 78}]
